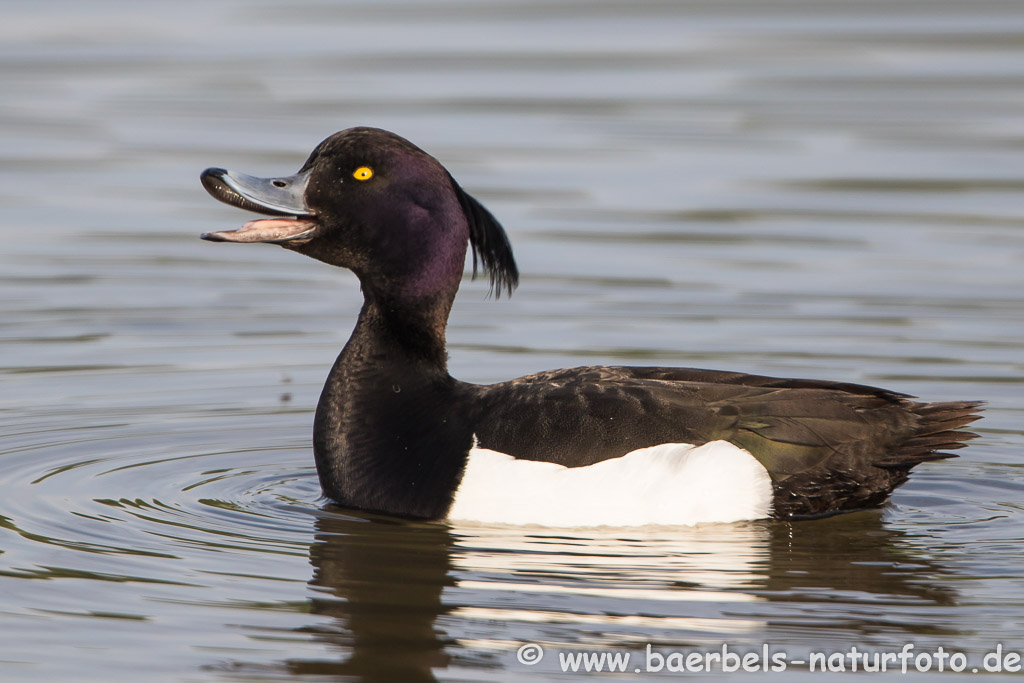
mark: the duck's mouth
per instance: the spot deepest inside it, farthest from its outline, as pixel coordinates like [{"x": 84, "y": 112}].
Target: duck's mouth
[{"x": 281, "y": 197}]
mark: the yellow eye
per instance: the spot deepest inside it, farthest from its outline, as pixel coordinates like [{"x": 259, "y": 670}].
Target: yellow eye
[{"x": 363, "y": 173}]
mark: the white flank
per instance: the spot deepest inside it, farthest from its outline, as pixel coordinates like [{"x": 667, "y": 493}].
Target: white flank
[{"x": 671, "y": 484}]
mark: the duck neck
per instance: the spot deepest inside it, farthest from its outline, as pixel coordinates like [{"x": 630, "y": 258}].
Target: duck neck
[
  {"x": 384, "y": 435},
  {"x": 410, "y": 333}
]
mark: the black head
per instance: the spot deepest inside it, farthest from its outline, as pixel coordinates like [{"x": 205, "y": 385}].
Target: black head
[{"x": 371, "y": 201}]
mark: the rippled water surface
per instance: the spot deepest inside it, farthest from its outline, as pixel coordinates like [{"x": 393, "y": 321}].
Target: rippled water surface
[{"x": 822, "y": 189}]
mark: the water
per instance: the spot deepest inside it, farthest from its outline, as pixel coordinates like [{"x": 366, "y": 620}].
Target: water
[{"x": 817, "y": 189}]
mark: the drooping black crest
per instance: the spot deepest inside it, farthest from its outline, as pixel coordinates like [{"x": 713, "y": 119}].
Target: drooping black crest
[{"x": 489, "y": 243}]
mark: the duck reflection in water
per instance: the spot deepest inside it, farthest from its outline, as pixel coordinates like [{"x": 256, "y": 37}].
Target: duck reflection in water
[
  {"x": 382, "y": 581},
  {"x": 407, "y": 600}
]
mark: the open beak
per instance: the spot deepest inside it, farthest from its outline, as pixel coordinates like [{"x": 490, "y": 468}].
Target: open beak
[{"x": 281, "y": 197}]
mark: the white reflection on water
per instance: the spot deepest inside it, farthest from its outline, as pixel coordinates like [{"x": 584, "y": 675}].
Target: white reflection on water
[{"x": 639, "y": 569}]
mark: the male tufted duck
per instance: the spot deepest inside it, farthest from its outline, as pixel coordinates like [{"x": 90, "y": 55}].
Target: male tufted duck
[{"x": 588, "y": 446}]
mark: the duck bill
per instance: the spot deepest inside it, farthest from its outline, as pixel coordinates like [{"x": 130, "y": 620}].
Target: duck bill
[{"x": 282, "y": 197}]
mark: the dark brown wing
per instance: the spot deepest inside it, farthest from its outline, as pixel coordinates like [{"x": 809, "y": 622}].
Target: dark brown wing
[{"x": 828, "y": 446}]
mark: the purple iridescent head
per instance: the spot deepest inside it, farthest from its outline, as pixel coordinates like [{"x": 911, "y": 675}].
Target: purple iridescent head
[{"x": 371, "y": 201}]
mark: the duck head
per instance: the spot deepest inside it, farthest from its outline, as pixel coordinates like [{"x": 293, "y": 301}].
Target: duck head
[{"x": 371, "y": 201}]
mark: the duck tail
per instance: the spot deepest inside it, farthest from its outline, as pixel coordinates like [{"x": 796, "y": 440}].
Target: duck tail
[{"x": 938, "y": 431}]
